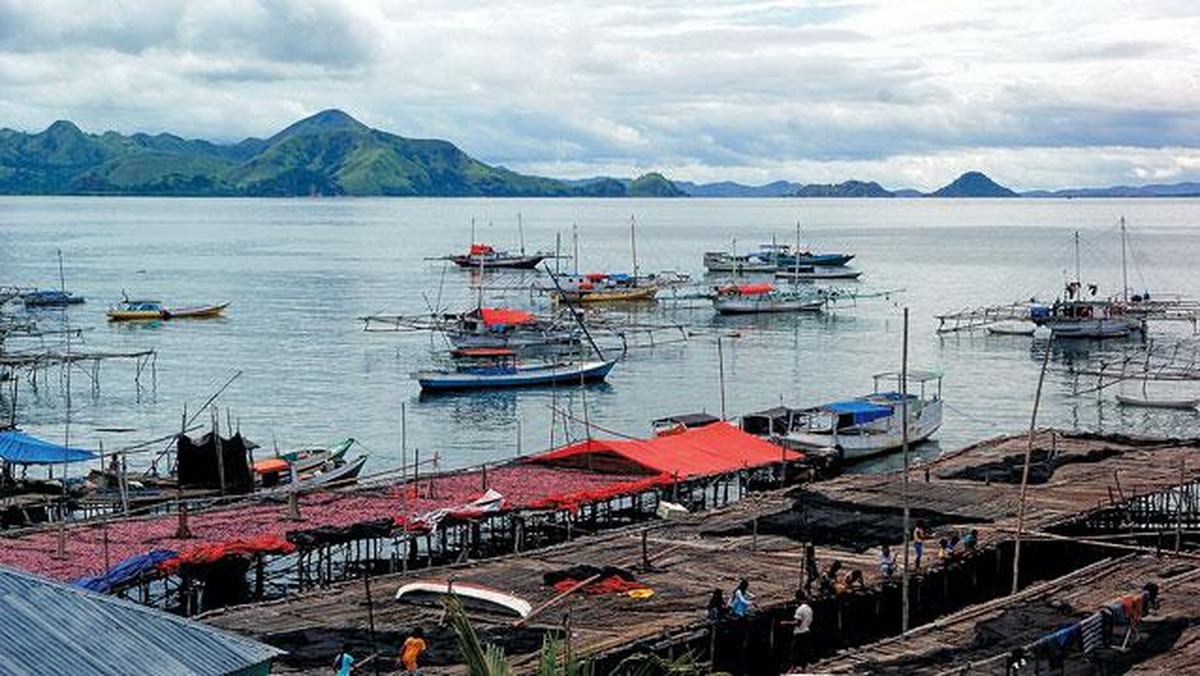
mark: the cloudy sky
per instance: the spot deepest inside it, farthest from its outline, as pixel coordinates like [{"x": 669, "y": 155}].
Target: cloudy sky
[{"x": 908, "y": 93}]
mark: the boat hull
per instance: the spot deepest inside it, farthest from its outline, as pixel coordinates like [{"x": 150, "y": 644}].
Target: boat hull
[
  {"x": 609, "y": 296},
  {"x": 477, "y": 597},
  {"x": 1107, "y": 327},
  {"x": 569, "y": 374},
  {"x": 820, "y": 260},
  {"x": 1145, "y": 402},
  {"x": 742, "y": 305},
  {"x": 512, "y": 262},
  {"x": 817, "y": 275}
]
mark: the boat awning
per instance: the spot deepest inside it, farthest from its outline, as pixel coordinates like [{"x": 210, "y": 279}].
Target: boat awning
[
  {"x": 862, "y": 411},
  {"x": 710, "y": 450},
  {"x": 480, "y": 249},
  {"x": 498, "y": 316},
  {"x": 21, "y": 449}
]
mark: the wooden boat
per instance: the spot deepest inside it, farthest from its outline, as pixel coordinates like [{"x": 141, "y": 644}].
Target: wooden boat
[
  {"x": 332, "y": 473},
  {"x": 505, "y": 328},
  {"x": 603, "y": 287},
  {"x": 143, "y": 310},
  {"x": 1014, "y": 328},
  {"x": 485, "y": 256},
  {"x": 498, "y": 368},
  {"x": 785, "y": 256},
  {"x": 758, "y": 298},
  {"x": 305, "y": 459},
  {"x": 473, "y": 596},
  {"x": 808, "y": 273},
  {"x": 1147, "y": 402}
]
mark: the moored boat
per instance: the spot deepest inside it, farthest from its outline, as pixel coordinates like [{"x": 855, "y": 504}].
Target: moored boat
[
  {"x": 756, "y": 298},
  {"x": 602, "y": 287},
  {"x": 723, "y": 261},
  {"x": 486, "y": 256},
  {"x": 860, "y": 427},
  {"x": 808, "y": 273},
  {"x": 498, "y": 368},
  {"x": 1149, "y": 402},
  {"x": 50, "y": 298},
  {"x": 142, "y": 310}
]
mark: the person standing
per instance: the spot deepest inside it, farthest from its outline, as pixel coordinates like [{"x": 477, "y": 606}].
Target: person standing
[
  {"x": 801, "y": 623},
  {"x": 742, "y": 601},
  {"x": 918, "y": 542},
  {"x": 414, "y": 646}
]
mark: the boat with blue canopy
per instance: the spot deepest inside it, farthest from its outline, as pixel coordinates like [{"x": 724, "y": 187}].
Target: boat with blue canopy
[{"x": 860, "y": 427}]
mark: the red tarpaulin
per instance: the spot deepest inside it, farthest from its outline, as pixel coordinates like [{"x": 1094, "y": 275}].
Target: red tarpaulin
[
  {"x": 500, "y": 315},
  {"x": 747, "y": 289},
  {"x": 481, "y": 249},
  {"x": 713, "y": 449}
]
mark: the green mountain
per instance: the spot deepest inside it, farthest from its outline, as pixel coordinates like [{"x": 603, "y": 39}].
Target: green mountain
[
  {"x": 329, "y": 153},
  {"x": 654, "y": 184},
  {"x": 844, "y": 189},
  {"x": 973, "y": 184}
]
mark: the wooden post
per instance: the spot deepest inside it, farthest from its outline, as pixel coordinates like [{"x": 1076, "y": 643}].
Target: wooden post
[
  {"x": 645, "y": 550},
  {"x": 1037, "y": 398},
  {"x": 904, "y": 581}
]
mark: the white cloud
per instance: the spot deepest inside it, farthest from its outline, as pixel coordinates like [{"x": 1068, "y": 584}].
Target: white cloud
[{"x": 906, "y": 93}]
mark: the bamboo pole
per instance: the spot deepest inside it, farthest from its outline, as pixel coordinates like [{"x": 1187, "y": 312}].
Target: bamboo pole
[{"x": 1037, "y": 399}]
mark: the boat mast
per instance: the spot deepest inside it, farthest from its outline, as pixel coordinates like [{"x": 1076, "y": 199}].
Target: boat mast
[
  {"x": 1078, "y": 276},
  {"x": 521, "y": 233},
  {"x": 796, "y": 253},
  {"x": 904, "y": 484},
  {"x": 472, "y": 231},
  {"x": 633, "y": 246},
  {"x": 1124, "y": 268},
  {"x": 62, "y": 277},
  {"x": 575, "y": 246}
]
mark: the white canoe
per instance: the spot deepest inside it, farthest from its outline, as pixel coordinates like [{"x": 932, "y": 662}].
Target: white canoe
[
  {"x": 474, "y": 596},
  {"x": 1147, "y": 402}
]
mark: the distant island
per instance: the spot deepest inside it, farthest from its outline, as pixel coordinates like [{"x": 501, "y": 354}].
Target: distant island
[{"x": 332, "y": 154}]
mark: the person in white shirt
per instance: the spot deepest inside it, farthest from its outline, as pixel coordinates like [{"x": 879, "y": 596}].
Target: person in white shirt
[{"x": 801, "y": 626}]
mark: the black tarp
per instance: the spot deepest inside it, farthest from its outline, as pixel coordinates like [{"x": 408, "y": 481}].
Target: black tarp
[
  {"x": 332, "y": 535},
  {"x": 199, "y": 466}
]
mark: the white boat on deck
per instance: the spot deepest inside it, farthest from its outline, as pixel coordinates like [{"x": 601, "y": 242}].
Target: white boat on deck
[
  {"x": 473, "y": 596},
  {"x": 860, "y": 427}
]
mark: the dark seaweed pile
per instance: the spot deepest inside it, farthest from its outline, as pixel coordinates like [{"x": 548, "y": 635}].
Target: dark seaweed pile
[{"x": 1042, "y": 466}]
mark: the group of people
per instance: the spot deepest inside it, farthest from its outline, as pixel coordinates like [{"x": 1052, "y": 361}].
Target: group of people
[
  {"x": 949, "y": 549},
  {"x": 741, "y": 604},
  {"x": 414, "y": 646}
]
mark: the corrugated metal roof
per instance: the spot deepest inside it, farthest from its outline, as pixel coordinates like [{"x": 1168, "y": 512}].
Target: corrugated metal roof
[{"x": 50, "y": 628}]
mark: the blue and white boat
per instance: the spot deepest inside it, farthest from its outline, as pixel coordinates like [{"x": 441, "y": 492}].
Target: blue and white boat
[
  {"x": 499, "y": 368},
  {"x": 863, "y": 426}
]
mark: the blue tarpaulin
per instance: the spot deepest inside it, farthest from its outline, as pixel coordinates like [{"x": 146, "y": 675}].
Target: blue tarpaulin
[
  {"x": 125, "y": 570},
  {"x": 21, "y": 449},
  {"x": 863, "y": 411}
]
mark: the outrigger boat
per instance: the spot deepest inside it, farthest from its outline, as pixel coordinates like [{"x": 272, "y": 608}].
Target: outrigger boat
[
  {"x": 505, "y": 328},
  {"x": 756, "y": 298},
  {"x": 307, "y": 459},
  {"x": 487, "y": 368},
  {"x": 602, "y": 287},
  {"x": 784, "y": 256},
  {"x": 143, "y": 310},
  {"x": 50, "y": 298},
  {"x": 859, "y": 427},
  {"x": 738, "y": 264},
  {"x": 279, "y": 476}
]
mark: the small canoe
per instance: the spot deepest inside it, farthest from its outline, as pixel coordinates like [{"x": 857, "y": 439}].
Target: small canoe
[
  {"x": 609, "y": 295},
  {"x": 197, "y": 312},
  {"x": 1012, "y": 329},
  {"x": 1147, "y": 402},
  {"x": 473, "y": 596},
  {"x": 143, "y": 310}
]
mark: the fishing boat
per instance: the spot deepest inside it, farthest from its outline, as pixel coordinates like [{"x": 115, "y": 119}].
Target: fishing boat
[
  {"x": 738, "y": 264},
  {"x": 505, "y": 328},
  {"x": 860, "y": 427},
  {"x": 1078, "y": 317},
  {"x": 486, "y": 256},
  {"x": 603, "y": 287},
  {"x": 473, "y": 596},
  {"x": 756, "y": 298},
  {"x": 787, "y": 256},
  {"x": 330, "y": 473},
  {"x": 50, "y": 298},
  {"x": 808, "y": 273},
  {"x": 487, "y": 368},
  {"x": 306, "y": 459},
  {"x": 143, "y": 310}
]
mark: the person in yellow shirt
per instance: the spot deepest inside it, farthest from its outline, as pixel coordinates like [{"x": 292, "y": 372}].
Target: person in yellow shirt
[{"x": 414, "y": 645}]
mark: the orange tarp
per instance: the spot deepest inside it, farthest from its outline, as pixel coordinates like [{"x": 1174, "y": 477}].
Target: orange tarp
[
  {"x": 497, "y": 315},
  {"x": 703, "y": 451}
]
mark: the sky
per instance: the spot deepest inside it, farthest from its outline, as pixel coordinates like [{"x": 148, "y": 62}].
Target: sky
[{"x": 908, "y": 93}]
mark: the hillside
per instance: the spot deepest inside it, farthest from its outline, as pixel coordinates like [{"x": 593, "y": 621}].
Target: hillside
[
  {"x": 844, "y": 189},
  {"x": 973, "y": 184},
  {"x": 329, "y": 153}
]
